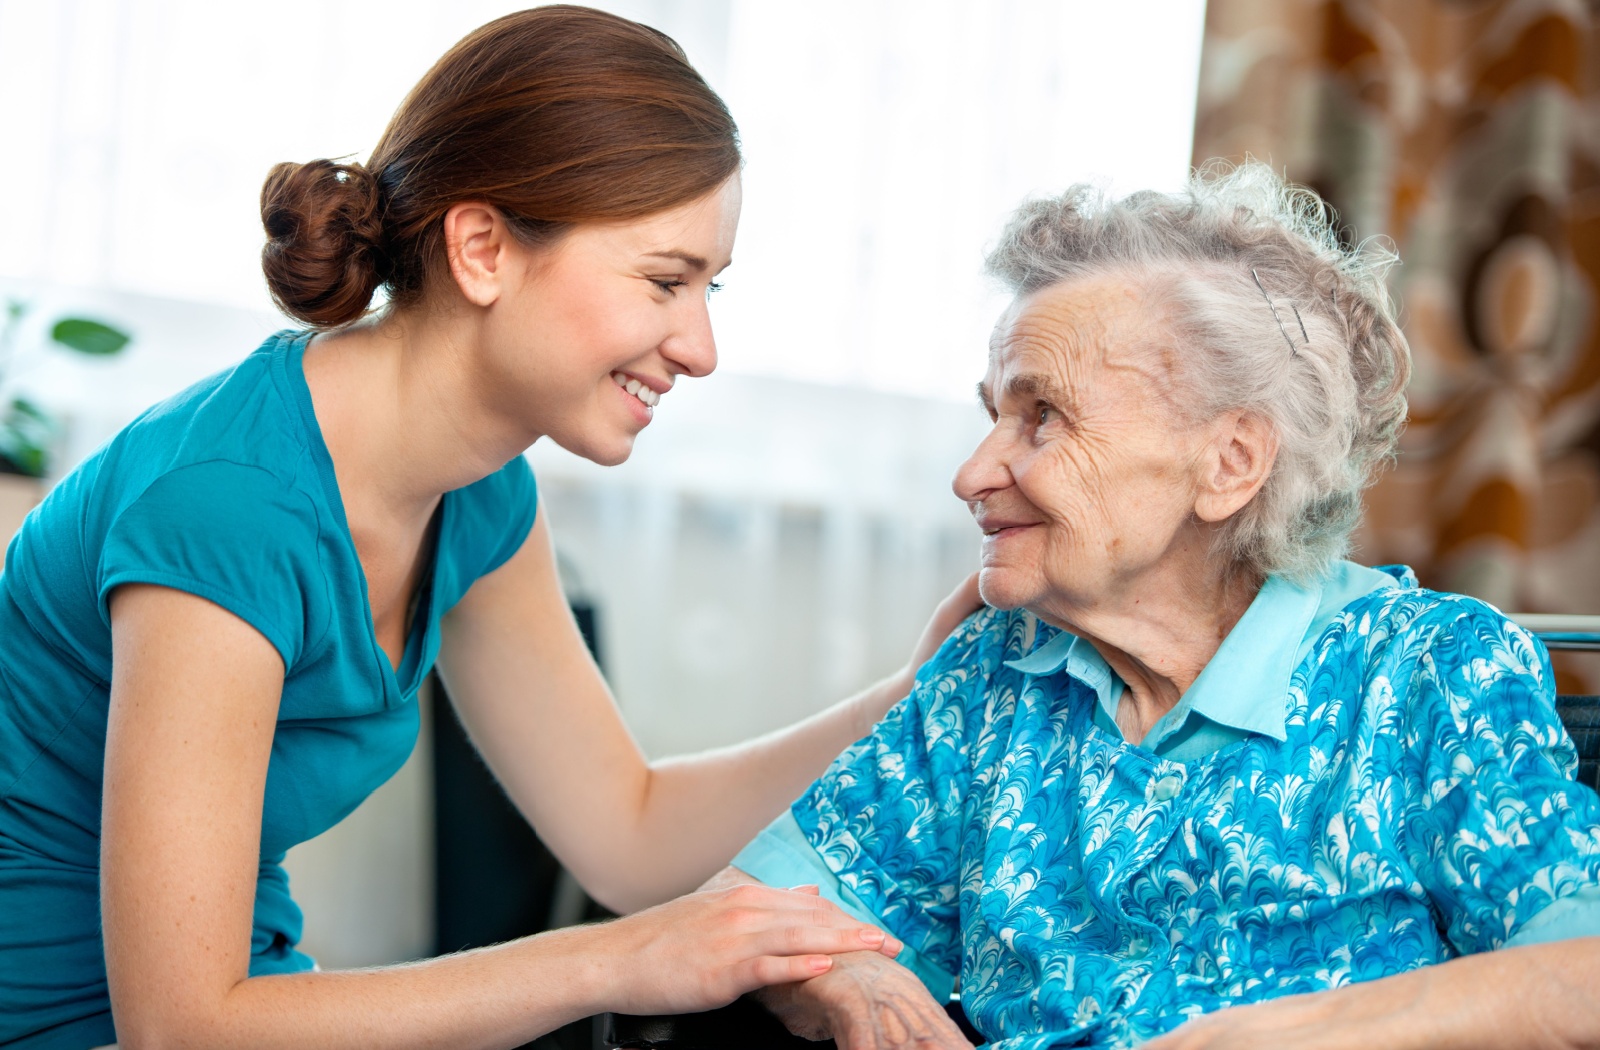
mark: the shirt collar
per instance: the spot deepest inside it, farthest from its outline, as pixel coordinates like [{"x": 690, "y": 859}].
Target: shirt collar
[
  {"x": 1245, "y": 686},
  {"x": 1066, "y": 651}
]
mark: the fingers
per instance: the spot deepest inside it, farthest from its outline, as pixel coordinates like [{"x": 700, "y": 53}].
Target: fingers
[
  {"x": 961, "y": 603},
  {"x": 818, "y": 936},
  {"x": 782, "y": 969},
  {"x": 708, "y": 948},
  {"x": 851, "y": 936},
  {"x": 965, "y": 599},
  {"x": 823, "y": 927},
  {"x": 757, "y": 935}
]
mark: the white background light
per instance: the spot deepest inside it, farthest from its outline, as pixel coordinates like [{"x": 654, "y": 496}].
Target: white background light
[{"x": 886, "y": 141}]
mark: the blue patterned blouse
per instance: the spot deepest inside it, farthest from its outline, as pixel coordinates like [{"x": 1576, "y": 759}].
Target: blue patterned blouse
[{"x": 1368, "y": 778}]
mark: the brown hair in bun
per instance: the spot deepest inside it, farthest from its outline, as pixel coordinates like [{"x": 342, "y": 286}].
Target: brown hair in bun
[
  {"x": 555, "y": 116},
  {"x": 324, "y": 253}
]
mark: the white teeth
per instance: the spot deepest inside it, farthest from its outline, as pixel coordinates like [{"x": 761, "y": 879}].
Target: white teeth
[{"x": 636, "y": 388}]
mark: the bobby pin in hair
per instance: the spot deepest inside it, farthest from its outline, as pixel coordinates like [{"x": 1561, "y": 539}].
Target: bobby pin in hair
[{"x": 1271, "y": 306}]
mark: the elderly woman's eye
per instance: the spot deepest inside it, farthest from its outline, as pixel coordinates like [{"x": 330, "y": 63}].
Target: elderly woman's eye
[{"x": 1050, "y": 414}]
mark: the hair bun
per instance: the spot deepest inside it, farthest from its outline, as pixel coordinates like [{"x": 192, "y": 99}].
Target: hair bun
[{"x": 324, "y": 253}]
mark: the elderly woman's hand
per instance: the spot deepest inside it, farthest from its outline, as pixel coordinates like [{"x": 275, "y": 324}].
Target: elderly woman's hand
[
  {"x": 1535, "y": 996},
  {"x": 1352, "y": 1017},
  {"x": 866, "y": 1002}
]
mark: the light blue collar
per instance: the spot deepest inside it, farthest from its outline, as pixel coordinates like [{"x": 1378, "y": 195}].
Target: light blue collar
[
  {"x": 1068, "y": 652},
  {"x": 1245, "y": 686}
]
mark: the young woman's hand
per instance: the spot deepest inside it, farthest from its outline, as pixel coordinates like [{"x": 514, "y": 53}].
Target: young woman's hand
[
  {"x": 866, "y": 1002},
  {"x": 706, "y": 949},
  {"x": 957, "y": 606}
]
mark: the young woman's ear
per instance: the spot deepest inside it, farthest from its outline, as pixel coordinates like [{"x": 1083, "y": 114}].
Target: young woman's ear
[
  {"x": 478, "y": 245},
  {"x": 1236, "y": 465}
]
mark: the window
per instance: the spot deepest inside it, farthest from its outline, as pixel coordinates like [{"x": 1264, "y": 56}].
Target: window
[{"x": 886, "y": 142}]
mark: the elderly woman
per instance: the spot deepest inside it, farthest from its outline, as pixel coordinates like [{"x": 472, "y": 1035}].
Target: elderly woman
[{"x": 1196, "y": 779}]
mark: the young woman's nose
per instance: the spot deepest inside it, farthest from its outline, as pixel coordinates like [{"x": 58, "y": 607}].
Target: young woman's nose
[{"x": 692, "y": 348}]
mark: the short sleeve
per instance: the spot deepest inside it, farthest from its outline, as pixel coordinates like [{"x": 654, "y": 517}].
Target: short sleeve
[
  {"x": 235, "y": 535},
  {"x": 887, "y": 817},
  {"x": 492, "y": 519},
  {"x": 1495, "y": 826}
]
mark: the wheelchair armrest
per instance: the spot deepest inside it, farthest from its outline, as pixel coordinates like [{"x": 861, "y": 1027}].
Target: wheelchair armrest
[{"x": 1581, "y": 717}]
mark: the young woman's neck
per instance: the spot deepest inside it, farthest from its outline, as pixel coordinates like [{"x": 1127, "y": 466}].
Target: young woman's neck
[{"x": 403, "y": 422}]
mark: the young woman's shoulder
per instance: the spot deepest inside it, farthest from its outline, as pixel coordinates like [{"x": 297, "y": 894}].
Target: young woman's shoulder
[
  {"x": 488, "y": 522},
  {"x": 215, "y": 491},
  {"x": 253, "y": 413}
]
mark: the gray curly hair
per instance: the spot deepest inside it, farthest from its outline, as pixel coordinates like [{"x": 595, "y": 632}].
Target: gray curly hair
[{"x": 1269, "y": 314}]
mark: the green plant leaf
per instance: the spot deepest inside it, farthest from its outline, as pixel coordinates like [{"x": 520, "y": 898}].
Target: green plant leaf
[
  {"x": 19, "y": 457},
  {"x": 22, "y": 408},
  {"x": 89, "y": 337},
  {"x": 26, "y": 433}
]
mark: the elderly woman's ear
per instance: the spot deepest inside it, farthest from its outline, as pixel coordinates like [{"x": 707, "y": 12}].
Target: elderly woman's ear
[{"x": 1234, "y": 464}]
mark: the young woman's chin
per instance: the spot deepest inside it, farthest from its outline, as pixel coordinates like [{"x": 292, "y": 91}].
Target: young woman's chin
[{"x": 609, "y": 452}]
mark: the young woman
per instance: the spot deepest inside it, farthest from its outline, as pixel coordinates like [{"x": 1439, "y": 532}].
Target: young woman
[{"x": 212, "y": 633}]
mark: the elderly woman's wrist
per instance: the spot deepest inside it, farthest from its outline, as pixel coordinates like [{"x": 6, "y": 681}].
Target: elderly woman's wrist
[{"x": 798, "y": 1008}]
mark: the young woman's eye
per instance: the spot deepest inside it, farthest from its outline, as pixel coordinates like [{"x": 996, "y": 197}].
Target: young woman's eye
[{"x": 669, "y": 286}]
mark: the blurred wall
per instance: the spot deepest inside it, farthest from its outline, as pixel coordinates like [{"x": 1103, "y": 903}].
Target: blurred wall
[{"x": 1467, "y": 132}]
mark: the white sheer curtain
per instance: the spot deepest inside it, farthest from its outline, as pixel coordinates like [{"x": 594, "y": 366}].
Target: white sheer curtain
[
  {"x": 784, "y": 526},
  {"x": 886, "y": 142}
]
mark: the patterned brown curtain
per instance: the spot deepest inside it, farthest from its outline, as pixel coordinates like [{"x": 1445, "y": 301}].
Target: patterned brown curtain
[{"x": 1468, "y": 134}]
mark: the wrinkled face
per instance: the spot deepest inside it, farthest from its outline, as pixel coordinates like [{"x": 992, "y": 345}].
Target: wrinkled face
[
  {"x": 605, "y": 322},
  {"x": 1088, "y": 479}
]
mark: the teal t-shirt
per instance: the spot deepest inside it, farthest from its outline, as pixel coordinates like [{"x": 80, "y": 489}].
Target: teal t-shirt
[{"x": 226, "y": 491}]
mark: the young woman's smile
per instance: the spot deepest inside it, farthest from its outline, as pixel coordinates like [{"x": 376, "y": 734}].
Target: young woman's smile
[
  {"x": 591, "y": 333},
  {"x": 640, "y": 395}
]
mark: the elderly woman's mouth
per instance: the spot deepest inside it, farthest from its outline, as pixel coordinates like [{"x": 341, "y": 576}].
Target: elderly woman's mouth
[{"x": 998, "y": 529}]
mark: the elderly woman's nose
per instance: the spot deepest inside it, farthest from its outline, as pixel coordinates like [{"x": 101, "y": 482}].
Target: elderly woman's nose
[{"x": 985, "y": 471}]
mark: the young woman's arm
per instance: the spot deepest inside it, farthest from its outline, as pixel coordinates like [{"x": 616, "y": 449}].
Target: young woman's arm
[
  {"x": 194, "y": 701},
  {"x": 632, "y": 832}
]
